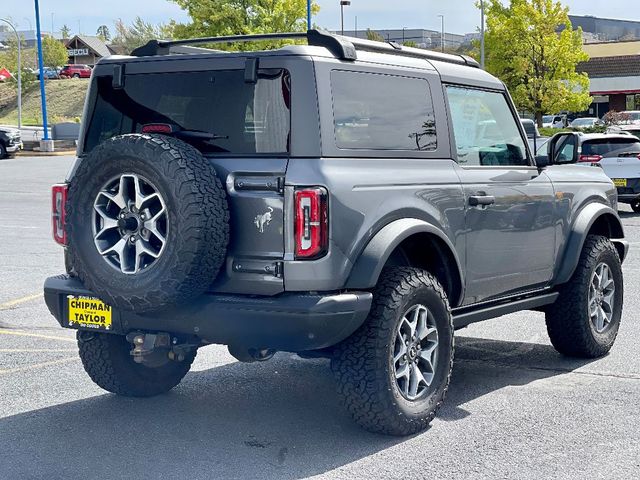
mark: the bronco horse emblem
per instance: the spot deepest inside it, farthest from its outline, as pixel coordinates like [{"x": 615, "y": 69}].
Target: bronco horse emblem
[{"x": 263, "y": 220}]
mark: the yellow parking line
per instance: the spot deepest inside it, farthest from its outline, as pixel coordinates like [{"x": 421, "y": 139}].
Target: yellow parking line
[
  {"x": 36, "y": 335},
  {"x": 18, "y": 301},
  {"x": 38, "y": 365},
  {"x": 36, "y": 350}
]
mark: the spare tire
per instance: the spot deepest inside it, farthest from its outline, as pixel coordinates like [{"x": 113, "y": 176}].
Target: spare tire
[{"x": 147, "y": 222}]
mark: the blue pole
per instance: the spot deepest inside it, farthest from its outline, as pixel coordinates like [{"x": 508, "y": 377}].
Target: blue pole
[
  {"x": 308, "y": 14},
  {"x": 41, "y": 67}
]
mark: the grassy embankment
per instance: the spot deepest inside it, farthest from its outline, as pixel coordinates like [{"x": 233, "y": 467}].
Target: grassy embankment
[{"x": 65, "y": 100}]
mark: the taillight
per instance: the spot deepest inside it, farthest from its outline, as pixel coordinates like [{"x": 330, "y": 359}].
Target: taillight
[
  {"x": 311, "y": 223},
  {"x": 58, "y": 213},
  {"x": 157, "y": 128},
  {"x": 590, "y": 158}
]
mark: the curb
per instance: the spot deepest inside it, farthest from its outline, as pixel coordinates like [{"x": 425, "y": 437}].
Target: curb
[{"x": 33, "y": 153}]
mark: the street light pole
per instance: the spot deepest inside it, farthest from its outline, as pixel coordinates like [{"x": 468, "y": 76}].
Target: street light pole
[
  {"x": 482, "y": 34},
  {"x": 343, "y": 3},
  {"x": 41, "y": 65},
  {"x": 308, "y": 14},
  {"x": 441, "y": 32},
  {"x": 403, "y": 29},
  {"x": 19, "y": 71}
]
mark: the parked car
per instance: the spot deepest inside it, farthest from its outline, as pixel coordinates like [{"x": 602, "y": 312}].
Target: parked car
[
  {"x": 554, "y": 121},
  {"x": 49, "y": 73},
  {"x": 76, "y": 71},
  {"x": 10, "y": 141},
  {"x": 633, "y": 115},
  {"x": 630, "y": 129},
  {"x": 536, "y": 142},
  {"x": 586, "y": 122},
  {"x": 348, "y": 199},
  {"x": 617, "y": 154}
]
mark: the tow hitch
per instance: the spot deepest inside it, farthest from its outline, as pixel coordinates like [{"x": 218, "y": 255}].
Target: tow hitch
[{"x": 156, "y": 349}]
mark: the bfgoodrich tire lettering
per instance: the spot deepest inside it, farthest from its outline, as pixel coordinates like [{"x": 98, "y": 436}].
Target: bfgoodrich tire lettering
[
  {"x": 364, "y": 366},
  {"x": 197, "y": 211},
  {"x": 569, "y": 324}
]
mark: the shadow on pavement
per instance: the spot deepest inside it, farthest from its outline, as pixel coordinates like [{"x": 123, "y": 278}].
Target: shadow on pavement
[{"x": 280, "y": 419}]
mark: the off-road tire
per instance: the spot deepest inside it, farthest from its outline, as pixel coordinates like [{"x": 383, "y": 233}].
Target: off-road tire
[
  {"x": 362, "y": 364},
  {"x": 568, "y": 324},
  {"x": 107, "y": 360},
  {"x": 198, "y": 218}
]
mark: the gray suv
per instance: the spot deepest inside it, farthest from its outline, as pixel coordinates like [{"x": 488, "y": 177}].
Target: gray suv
[{"x": 346, "y": 199}]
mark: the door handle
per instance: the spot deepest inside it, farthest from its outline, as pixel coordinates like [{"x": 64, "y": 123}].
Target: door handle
[{"x": 481, "y": 200}]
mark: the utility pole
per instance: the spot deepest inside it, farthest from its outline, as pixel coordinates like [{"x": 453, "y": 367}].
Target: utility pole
[
  {"x": 19, "y": 40},
  {"x": 441, "y": 32},
  {"x": 482, "y": 34},
  {"x": 308, "y": 14},
  {"x": 52, "y": 30}
]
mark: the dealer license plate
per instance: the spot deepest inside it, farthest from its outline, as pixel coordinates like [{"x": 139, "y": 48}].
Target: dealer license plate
[
  {"x": 88, "y": 312},
  {"x": 620, "y": 182}
]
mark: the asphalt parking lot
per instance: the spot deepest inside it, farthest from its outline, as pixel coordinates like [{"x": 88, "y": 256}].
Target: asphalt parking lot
[{"x": 515, "y": 409}]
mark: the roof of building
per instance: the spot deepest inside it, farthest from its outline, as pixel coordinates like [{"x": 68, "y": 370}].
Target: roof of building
[
  {"x": 613, "y": 49},
  {"x": 96, "y": 44},
  {"x": 618, "y": 66}
]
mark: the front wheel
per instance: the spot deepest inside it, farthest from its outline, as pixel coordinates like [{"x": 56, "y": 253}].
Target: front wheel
[
  {"x": 635, "y": 206},
  {"x": 393, "y": 372},
  {"x": 585, "y": 319},
  {"x": 107, "y": 360}
]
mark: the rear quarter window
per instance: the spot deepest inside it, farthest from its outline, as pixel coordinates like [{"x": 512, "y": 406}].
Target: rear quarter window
[
  {"x": 610, "y": 147},
  {"x": 382, "y": 112}
]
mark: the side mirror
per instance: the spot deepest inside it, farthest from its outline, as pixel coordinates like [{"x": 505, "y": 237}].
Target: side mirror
[
  {"x": 562, "y": 148},
  {"x": 542, "y": 161}
]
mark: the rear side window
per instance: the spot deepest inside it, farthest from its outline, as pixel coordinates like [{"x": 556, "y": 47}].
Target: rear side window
[
  {"x": 241, "y": 117},
  {"x": 610, "y": 147},
  {"x": 382, "y": 112},
  {"x": 485, "y": 129}
]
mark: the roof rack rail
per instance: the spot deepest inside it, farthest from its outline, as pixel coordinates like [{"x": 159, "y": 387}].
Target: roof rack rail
[{"x": 344, "y": 48}]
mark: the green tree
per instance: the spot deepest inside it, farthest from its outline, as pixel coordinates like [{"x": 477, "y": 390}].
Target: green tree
[
  {"x": 54, "y": 53},
  {"x": 411, "y": 43},
  {"x": 103, "y": 33},
  {"x": 532, "y": 46},
  {"x": 65, "y": 31},
  {"x": 211, "y": 18},
  {"x": 138, "y": 33},
  {"x": 375, "y": 36}
]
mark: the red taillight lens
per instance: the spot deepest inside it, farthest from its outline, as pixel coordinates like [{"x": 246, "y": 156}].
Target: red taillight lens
[
  {"x": 58, "y": 213},
  {"x": 311, "y": 223},
  {"x": 157, "y": 128},
  {"x": 590, "y": 158}
]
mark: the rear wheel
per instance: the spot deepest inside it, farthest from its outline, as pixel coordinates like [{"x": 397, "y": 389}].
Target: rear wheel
[
  {"x": 393, "y": 373},
  {"x": 3, "y": 151},
  {"x": 76, "y": 75},
  {"x": 635, "y": 206},
  {"x": 585, "y": 319},
  {"x": 107, "y": 360}
]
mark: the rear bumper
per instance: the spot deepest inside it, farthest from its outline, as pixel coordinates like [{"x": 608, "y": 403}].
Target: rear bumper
[
  {"x": 631, "y": 192},
  {"x": 288, "y": 322}
]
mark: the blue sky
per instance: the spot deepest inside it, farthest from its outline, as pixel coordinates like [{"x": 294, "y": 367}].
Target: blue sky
[{"x": 460, "y": 15}]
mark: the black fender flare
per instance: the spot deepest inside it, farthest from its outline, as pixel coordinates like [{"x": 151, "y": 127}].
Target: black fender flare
[
  {"x": 371, "y": 261},
  {"x": 579, "y": 231}
]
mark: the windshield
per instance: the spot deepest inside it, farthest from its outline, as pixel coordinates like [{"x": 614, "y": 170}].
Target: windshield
[
  {"x": 547, "y": 118},
  {"x": 239, "y": 117},
  {"x": 611, "y": 147},
  {"x": 583, "y": 122}
]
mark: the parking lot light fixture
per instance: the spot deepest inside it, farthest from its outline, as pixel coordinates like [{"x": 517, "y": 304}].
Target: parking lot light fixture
[
  {"x": 343, "y": 3},
  {"x": 19, "y": 70},
  {"x": 441, "y": 32}
]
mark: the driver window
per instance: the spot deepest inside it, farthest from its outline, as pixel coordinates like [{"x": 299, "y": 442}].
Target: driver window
[
  {"x": 566, "y": 150},
  {"x": 486, "y": 132}
]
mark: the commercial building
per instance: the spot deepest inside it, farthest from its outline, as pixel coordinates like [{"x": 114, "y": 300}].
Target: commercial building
[
  {"x": 597, "y": 29},
  {"x": 86, "y": 50},
  {"x": 614, "y": 76},
  {"x": 430, "y": 39}
]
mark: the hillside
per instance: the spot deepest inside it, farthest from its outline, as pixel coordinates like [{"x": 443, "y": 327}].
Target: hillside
[{"x": 65, "y": 100}]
